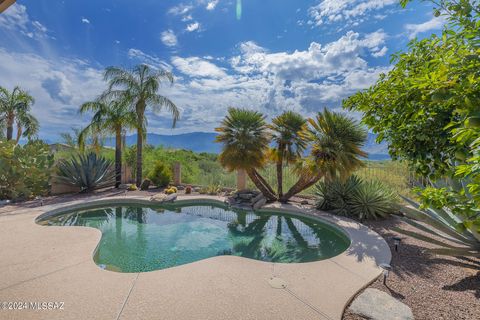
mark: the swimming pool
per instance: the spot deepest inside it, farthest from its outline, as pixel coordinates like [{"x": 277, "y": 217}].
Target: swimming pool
[{"x": 140, "y": 238}]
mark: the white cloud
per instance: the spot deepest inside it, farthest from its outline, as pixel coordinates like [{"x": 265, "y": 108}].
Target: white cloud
[
  {"x": 85, "y": 20},
  {"x": 197, "y": 67},
  {"x": 193, "y": 27},
  {"x": 331, "y": 11},
  {"x": 16, "y": 18},
  {"x": 432, "y": 24},
  {"x": 151, "y": 60},
  {"x": 212, "y": 4},
  {"x": 169, "y": 38},
  {"x": 181, "y": 9},
  {"x": 59, "y": 87}
]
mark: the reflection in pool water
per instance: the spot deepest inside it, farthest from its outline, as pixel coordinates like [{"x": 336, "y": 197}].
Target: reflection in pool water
[{"x": 138, "y": 238}]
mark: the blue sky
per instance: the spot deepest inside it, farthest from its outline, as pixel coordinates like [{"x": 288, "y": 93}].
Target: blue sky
[{"x": 277, "y": 55}]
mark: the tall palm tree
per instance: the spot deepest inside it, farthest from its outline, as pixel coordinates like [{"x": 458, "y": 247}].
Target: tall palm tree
[
  {"x": 15, "y": 108},
  {"x": 110, "y": 117},
  {"x": 290, "y": 139},
  {"x": 245, "y": 138},
  {"x": 336, "y": 142},
  {"x": 139, "y": 87}
]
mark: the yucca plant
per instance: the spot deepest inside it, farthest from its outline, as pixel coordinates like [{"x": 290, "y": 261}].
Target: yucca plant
[
  {"x": 458, "y": 238},
  {"x": 87, "y": 171},
  {"x": 372, "y": 200},
  {"x": 357, "y": 198}
]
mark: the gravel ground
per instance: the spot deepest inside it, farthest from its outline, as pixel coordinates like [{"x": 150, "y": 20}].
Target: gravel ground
[{"x": 435, "y": 287}]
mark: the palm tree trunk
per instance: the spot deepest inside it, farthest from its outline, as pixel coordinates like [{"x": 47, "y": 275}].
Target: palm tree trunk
[
  {"x": 258, "y": 183},
  {"x": 302, "y": 184},
  {"x": 118, "y": 157},
  {"x": 139, "y": 156},
  {"x": 10, "y": 127},
  {"x": 263, "y": 181}
]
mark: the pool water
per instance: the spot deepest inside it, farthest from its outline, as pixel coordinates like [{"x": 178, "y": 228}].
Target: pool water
[{"x": 138, "y": 238}]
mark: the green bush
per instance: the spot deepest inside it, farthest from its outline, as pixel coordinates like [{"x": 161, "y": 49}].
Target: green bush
[
  {"x": 24, "y": 170},
  {"x": 87, "y": 171},
  {"x": 356, "y": 198},
  {"x": 160, "y": 175}
]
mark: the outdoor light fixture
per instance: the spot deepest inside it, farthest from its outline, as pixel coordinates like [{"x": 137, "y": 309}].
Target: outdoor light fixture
[
  {"x": 386, "y": 270},
  {"x": 396, "y": 242}
]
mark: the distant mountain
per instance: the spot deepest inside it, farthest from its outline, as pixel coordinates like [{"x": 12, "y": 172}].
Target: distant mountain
[{"x": 205, "y": 142}]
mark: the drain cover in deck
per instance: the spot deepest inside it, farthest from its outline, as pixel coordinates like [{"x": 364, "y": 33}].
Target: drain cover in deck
[{"x": 277, "y": 283}]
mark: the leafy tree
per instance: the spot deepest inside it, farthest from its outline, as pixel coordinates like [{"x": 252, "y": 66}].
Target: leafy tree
[
  {"x": 110, "y": 117},
  {"x": 289, "y": 136},
  {"x": 15, "y": 109},
  {"x": 24, "y": 170},
  {"x": 426, "y": 107},
  {"x": 139, "y": 88}
]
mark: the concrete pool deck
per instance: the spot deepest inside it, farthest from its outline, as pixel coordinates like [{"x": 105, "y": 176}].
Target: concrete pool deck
[{"x": 55, "y": 264}]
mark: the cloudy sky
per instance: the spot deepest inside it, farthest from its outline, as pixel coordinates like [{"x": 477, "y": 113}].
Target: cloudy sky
[{"x": 267, "y": 55}]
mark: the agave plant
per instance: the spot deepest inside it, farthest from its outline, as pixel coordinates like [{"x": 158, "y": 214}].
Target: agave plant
[
  {"x": 458, "y": 238},
  {"x": 356, "y": 198},
  {"x": 88, "y": 172}
]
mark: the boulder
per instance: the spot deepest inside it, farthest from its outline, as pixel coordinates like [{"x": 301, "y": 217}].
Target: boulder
[
  {"x": 162, "y": 197},
  {"x": 378, "y": 305},
  {"x": 145, "y": 184},
  {"x": 260, "y": 203}
]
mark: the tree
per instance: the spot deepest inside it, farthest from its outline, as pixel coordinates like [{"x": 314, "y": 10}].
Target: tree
[
  {"x": 289, "y": 136},
  {"x": 139, "y": 88},
  {"x": 110, "y": 117},
  {"x": 15, "y": 108},
  {"x": 245, "y": 137},
  {"x": 426, "y": 107},
  {"x": 335, "y": 143}
]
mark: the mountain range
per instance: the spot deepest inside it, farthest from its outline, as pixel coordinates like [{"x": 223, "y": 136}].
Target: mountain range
[{"x": 205, "y": 142}]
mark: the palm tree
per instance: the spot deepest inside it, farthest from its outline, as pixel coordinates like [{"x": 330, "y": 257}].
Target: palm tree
[
  {"x": 290, "y": 139},
  {"x": 15, "y": 109},
  {"x": 111, "y": 117},
  {"x": 139, "y": 87},
  {"x": 335, "y": 150},
  {"x": 245, "y": 138}
]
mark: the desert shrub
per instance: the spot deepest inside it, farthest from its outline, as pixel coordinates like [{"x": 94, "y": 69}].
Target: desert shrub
[
  {"x": 160, "y": 175},
  {"x": 86, "y": 171},
  {"x": 24, "y": 170},
  {"x": 356, "y": 198}
]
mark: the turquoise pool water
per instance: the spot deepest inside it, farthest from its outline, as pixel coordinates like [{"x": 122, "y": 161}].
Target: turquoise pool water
[{"x": 139, "y": 238}]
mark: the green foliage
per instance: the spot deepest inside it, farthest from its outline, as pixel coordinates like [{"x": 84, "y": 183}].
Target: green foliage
[
  {"x": 15, "y": 110},
  {"x": 160, "y": 175},
  {"x": 212, "y": 190},
  {"x": 356, "y": 198},
  {"x": 86, "y": 171},
  {"x": 459, "y": 236},
  {"x": 24, "y": 170}
]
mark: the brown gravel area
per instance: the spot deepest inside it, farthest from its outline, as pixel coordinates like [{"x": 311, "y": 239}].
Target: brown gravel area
[{"x": 435, "y": 287}]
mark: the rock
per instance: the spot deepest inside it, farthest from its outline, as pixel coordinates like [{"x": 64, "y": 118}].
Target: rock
[
  {"x": 259, "y": 204},
  {"x": 161, "y": 197},
  {"x": 180, "y": 188},
  {"x": 378, "y": 305},
  {"x": 197, "y": 189},
  {"x": 257, "y": 198},
  {"x": 145, "y": 184},
  {"x": 304, "y": 202},
  {"x": 124, "y": 186},
  {"x": 245, "y": 196}
]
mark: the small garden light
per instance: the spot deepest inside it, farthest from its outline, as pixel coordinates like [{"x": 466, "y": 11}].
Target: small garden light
[
  {"x": 386, "y": 270},
  {"x": 396, "y": 242}
]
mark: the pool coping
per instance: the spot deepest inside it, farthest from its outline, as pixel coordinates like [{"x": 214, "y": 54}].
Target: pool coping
[{"x": 361, "y": 260}]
